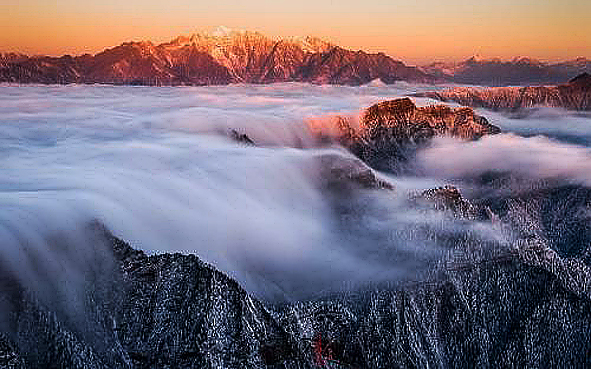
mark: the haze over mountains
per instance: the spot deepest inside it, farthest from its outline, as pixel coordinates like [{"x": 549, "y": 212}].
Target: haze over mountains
[
  {"x": 227, "y": 56},
  {"x": 519, "y": 71}
]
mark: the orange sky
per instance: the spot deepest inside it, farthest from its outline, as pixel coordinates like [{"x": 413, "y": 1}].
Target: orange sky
[{"x": 415, "y": 31}]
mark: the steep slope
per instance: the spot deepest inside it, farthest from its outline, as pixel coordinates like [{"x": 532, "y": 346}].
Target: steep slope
[
  {"x": 340, "y": 66},
  {"x": 146, "y": 64},
  {"x": 496, "y": 307},
  {"x": 129, "y": 63},
  {"x": 500, "y": 312},
  {"x": 574, "y": 95},
  {"x": 139, "y": 311}
]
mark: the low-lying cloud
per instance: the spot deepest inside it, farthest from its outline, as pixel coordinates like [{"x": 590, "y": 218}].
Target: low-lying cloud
[
  {"x": 157, "y": 167},
  {"x": 536, "y": 157}
]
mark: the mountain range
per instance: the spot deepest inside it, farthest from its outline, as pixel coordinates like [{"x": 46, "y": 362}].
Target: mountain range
[
  {"x": 221, "y": 57},
  {"x": 227, "y": 56},
  {"x": 518, "y": 71}
]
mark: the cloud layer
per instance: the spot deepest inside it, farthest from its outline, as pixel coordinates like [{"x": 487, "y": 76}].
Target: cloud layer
[{"x": 157, "y": 167}]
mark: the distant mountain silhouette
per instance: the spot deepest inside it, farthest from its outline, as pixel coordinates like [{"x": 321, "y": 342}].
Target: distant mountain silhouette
[{"x": 519, "y": 71}]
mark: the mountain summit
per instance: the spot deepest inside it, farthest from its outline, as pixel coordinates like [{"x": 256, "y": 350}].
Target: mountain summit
[{"x": 220, "y": 57}]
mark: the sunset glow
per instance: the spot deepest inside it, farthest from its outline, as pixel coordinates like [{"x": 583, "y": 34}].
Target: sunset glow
[{"x": 417, "y": 32}]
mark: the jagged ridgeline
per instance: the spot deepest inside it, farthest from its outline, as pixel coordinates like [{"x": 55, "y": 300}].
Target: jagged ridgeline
[
  {"x": 390, "y": 132},
  {"x": 518, "y": 299},
  {"x": 217, "y": 58},
  {"x": 526, "y": 307}
]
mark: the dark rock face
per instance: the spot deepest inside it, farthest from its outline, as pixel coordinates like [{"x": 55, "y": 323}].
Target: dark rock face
[
  {"x": 241, "y": 137},
  {"x": 179, "y": 312},
  {"x": 487, "y": 313},
  {"x": 343, "y": 175},
  {"x": 558, "y": 214},
  {"x": 389, "y": 131},
  {"x": 213, "y": 59},
  {"x": 449, "y": 198},
  {"x": 575, "y": 95},
  {"x": 166, "y": 311},
  {"x": 9, "y": 359},
  {"x": 522, "y": 71}
]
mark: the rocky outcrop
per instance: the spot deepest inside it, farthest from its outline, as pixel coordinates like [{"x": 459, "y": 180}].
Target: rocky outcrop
[
  {"x": 217, "y": 58},
  {"x": 519, "y": 71},
  {"x": 389, "y": 131},
  {"x": 241, "y": 137},
  {"x": 575, "y": 95},
  {"x": 401, "y": 120},
  {"x": 342, "y": 174},
  {"x": 449, "y": 198}
]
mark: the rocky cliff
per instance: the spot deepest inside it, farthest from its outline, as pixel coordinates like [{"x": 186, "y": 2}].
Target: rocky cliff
[
  {"x": 221, "y": 57},
  {"x": 574, "y": 95},
  {"x": 389, "y": 131}
]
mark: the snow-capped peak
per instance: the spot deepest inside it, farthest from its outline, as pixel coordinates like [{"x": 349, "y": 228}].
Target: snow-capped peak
[{"x": 222, "y": 31}]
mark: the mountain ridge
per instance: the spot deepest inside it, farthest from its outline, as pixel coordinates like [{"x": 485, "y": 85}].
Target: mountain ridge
[
  {"x": 496, "y": 72},
  {"x": 221, "y": 57},
  {"x": 225, "y": 56}
]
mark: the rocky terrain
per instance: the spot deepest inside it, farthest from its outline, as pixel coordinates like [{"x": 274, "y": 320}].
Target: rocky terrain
[
  {"x": 231, "y": 56},
  {"x": 524, "y": 305},
  {"x": 520, "y": 300},
  {"x": 574, "y": 95},
  {"x": 389, "y": 131},
  {"x": 519, "y": 71},
  {"x": 217, "y": 58}
]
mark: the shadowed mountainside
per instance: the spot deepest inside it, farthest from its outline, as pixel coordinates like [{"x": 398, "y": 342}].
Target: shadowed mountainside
[
  {"x": 526, "y": 307},
  {"x": 519, "y": 71}
]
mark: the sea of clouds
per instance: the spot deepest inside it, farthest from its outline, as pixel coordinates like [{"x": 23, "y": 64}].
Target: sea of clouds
[{"x": 157, "y": 166}]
